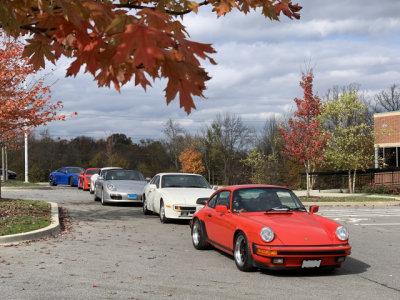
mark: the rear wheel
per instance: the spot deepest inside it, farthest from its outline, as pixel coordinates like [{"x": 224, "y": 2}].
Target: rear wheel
[
  {"x": 198, "y": 239},
  {"x": 242, "y": 253},
  {"x": 71, "y": 181}
]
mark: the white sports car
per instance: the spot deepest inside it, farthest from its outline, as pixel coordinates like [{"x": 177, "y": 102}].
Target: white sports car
[{"x": 175, "y": 195}]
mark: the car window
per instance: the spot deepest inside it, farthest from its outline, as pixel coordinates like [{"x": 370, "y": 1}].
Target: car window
[
  {"x": 184, "y": 181},
  {"x": 91, "y": 172},
  {"x": 75, "y": 170},
  {"x": 124, "y": 175},
  {"x": 221, "y": 198},
  {"x": 212, "y": 201},
  {"x": 264, "y": 199},
  {"x": 224, "y": 198},
  {"x": 157, "y": 181}
]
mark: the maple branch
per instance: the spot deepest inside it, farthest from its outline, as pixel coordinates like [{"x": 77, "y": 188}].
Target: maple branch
[{"x": 171, "y": 12}]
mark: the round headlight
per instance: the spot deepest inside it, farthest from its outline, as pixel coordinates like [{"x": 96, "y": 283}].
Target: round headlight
[
  {"x": 267, "y": 234},
  {"x": 111, "y": 187},
  {"x": 342, "y": 233}
]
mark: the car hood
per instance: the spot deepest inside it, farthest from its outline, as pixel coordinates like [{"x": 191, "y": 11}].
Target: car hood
[
  {"x": 185, "y": 195},
  {"x": 127, "y": 186},
  {"x": 297, "y": 228}
]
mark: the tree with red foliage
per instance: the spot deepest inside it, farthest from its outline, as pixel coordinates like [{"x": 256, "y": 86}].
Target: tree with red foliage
[
  {"x": 304, "y": 139},
  {"x": 191, "y": 161},
  {"x": 118, "y": 40},
  {"x": 22, "y": 107}
]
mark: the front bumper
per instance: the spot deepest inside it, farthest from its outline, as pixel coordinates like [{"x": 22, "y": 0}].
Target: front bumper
[
  {"x": 119, "y": 197},
  {"x": 300, "y": 256},
  {"x": 181, "y": 211}
]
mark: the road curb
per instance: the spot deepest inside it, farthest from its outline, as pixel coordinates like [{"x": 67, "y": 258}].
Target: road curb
[{"x": 52, "y": 229}]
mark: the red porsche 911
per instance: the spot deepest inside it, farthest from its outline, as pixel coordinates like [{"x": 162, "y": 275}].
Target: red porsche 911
[
  {"x": 268, "y": 227},
  {"x": 84, "y": 178}
]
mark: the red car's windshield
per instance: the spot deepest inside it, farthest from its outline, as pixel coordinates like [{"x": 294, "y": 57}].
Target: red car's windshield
[{"x": 265, "y": 199}]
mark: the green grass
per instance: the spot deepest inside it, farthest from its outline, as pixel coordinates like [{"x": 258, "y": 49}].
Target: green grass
[
  {"x": 17, "y": 183},
  {"x": 345, "y": 199},
  {"x": 17, "y": 216}
]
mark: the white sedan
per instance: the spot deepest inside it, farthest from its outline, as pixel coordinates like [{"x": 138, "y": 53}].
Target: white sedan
[{"x": 175, "y": 195}]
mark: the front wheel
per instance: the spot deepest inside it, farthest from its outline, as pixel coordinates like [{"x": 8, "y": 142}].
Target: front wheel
[
  {"x": 163, "y": 218},
  {"x": 103, "y": 202},
  {"x": 198, "y": 239},
  {"x": 145, "y": 210},
  {"x": 52, "y": 181},
  {"x": 242, "y": 253}
]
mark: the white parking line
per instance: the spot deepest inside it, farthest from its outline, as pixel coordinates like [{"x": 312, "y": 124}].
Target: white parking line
[{"x": 379, "y": 224}]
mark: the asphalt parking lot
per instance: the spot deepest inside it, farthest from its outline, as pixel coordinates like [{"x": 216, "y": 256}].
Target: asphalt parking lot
[{"x": 115, "y": 252}]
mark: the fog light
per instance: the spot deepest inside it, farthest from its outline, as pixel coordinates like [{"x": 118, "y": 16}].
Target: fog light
[
  {"x": 340, "y": 259},
  {"x": 278, "y": 260}
]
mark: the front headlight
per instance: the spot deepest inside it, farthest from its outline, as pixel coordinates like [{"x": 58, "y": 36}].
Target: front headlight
[
  {"x": 111, "y": 187},
  {"x": 342, "y": 233},
  {"x": 267, "y": 234}
]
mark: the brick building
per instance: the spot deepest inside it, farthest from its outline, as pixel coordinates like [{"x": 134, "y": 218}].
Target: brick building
[{"x": 387, "y": 138}]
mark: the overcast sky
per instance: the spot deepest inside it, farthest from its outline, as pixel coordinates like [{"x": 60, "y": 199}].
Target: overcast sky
[{"x": 260, "y": 63}]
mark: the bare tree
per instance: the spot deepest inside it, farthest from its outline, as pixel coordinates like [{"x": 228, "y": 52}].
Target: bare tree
[
  {"x": 388, "y": 100},
  {"x": 232, "y": 137},
  {"x": 174, "y": 136}
]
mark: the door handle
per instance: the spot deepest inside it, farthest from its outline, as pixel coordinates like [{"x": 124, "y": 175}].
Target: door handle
[{"x": 209, "y": 215}]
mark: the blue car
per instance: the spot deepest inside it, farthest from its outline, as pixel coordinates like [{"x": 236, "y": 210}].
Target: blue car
[{"x": 65, "y": 175}]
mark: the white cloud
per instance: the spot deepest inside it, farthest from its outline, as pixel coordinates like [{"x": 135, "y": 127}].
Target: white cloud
[{"x": 258, "y": 72}]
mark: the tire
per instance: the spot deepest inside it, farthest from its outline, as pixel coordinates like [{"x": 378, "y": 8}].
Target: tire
[
  {"x": 198, "y": 239},
  {"x": 145, "y": 210},
  {"x": 242, "y": 253},
  {"x": 163, "y": 218},
  {"x": 52, "y": 181},
  {"x": 71, "y": 181},
  {"x": 102, "y": 198}
]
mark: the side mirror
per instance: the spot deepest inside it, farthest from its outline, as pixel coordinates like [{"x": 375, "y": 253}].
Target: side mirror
[
  {"x": 201, "y": 201},
  {"x": 100, "y": 178},
  {"x": 215, "y": 187},
  {"x": 221, "y": 209},
  {"x": 314, "y": 209},
  {"x": 81, "y": 173},
  {"x": 148, "y": 179},
  {"x": 152, "y": 186}
]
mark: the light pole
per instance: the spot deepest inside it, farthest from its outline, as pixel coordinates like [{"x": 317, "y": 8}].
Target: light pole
[{"x": 26, "y": 156}]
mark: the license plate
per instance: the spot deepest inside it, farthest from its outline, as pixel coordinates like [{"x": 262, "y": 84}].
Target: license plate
[
  {"x": 132, "y": 196},
  {"x": 311, "y": 263}
]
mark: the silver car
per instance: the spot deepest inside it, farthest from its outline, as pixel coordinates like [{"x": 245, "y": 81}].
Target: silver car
[{"x": 120, "y": 186}]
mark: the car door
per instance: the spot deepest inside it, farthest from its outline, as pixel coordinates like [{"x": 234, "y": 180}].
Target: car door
[
  {"x": 153, "y": 195},
  {"x": 59, "y": 175},
  {"x": 220, "y": 226}
]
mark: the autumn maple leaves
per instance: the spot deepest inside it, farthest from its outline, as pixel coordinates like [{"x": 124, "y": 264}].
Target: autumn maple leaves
[{"x": 119, "y": 40}]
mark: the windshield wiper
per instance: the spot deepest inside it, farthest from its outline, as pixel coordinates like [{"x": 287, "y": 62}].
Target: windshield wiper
[{"x": 299, "y": 209}]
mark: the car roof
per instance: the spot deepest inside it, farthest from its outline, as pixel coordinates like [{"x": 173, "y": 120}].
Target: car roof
[
  {"x": 177, "y": 173},
  {"x": 247, "y": 186},
  {"x": 110, "y": 168}
]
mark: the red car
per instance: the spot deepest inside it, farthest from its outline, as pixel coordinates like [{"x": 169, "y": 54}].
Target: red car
[
  {"x": 268, "y": 227},
  {"x": 84, "y": 178}
]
